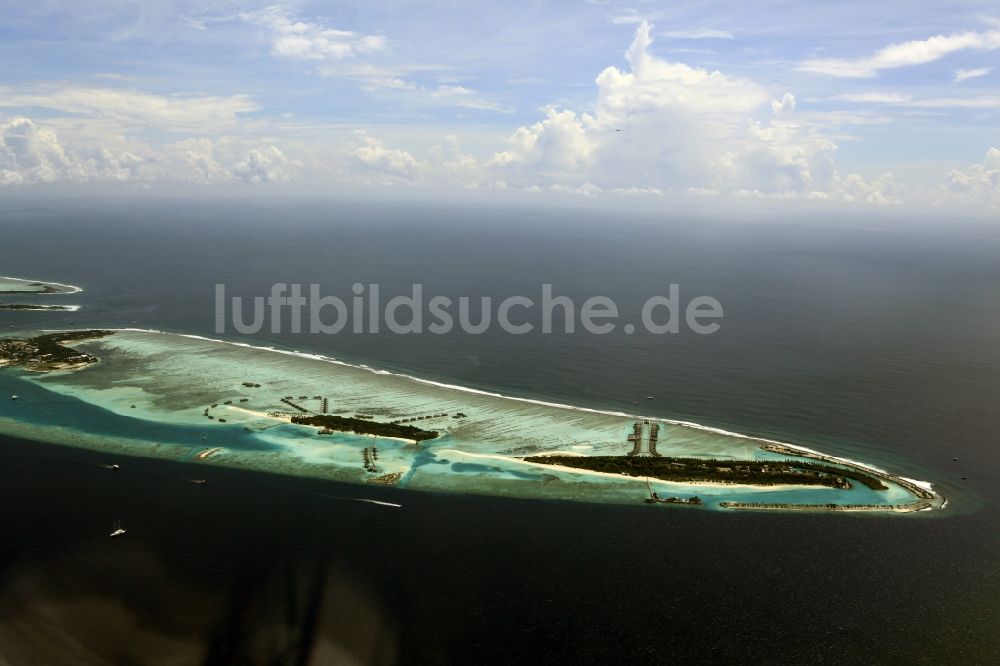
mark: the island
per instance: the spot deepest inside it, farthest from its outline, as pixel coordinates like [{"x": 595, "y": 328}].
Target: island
[
  {"x": 331, "y": 422},
  {"x": 42, "y": 308},
  {"x": 754, "y": 472},
  {"x": 203, "y": 401},
  {"x": 13, "y": 285},
  {"x": 45, "y": 353}
]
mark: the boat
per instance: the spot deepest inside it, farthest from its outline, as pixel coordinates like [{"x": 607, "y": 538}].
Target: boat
[
  {"x": 653, "y": 497},
  {"x": 118, "y": 531},
  {"x": 13, "y": 397},
  {"x": 114, "y": 468}
]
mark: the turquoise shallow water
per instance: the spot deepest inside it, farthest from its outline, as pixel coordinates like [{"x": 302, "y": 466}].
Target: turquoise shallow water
[
  {"x": 150, "y": 392},
  {"x": 876, "y": 339}
]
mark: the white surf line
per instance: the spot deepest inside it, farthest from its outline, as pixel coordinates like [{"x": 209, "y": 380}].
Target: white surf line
[
  {"x": 74, "y": 289},
  {"x": 464, "y": 389},
  {"x": 379, "y": 502},
  {"x": 42, "y": 308}
]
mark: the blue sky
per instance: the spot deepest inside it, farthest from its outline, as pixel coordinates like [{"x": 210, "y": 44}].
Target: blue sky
[{"x": 878, "y": 103}]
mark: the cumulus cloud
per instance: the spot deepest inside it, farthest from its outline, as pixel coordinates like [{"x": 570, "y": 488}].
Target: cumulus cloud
[
  {"x": 783, "y": 106},
  {"x": 662, "y": 126},
  {"x": 655, "y": 83},
  {"x": 31, "y": 153},
  {"x": 777, "y": 159},
  {"x": 373, "y": 156},
  {"x": 308, "y": 40},
  {"x": 263, "y": 165},
  {"x": 451, "y": 158},
  {"x": 904, "y": 54},
  {"x": 559, "y": 144},
  {"x": 883, "y": 189},
  {"x": 979, "y": 184},
  {"x": 227, "y": 160}
]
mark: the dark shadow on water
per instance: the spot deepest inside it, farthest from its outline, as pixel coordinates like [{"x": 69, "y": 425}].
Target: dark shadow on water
[{"x": 252, "y": 568}]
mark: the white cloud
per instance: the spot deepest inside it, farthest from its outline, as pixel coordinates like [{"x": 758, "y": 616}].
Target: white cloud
[
  {"x": 705, "y": 33},
  {"x": 904, "y": 54},
  {"x": 900, "y": 99},
  {"x": 630, "y": 17},
  {"x": 873, "y": 97},
  {"x": 965, "y": 74},
  {"x": 306, "y": 40},
  {"x": 196, "y": 113},
  {"x": 883, "y": 189},
  {"x": 205, "y": 161},
  {"x": 448, "y": 94},
  {"x": 451, "y": 159},
  {"x": 978, "y": 185},
  {"x": 376, "y": 77},
  {"x": 334, "y": 53},
  {"x": 372, "y": 155},
  {"x": 32, "y": 154},
  {"x": 560, "y": 144},
  {"x": 664, "y": 126},
  {"x": 776, "y": 159},
  {"x": 656, "y": 83},
  {"x": 263, "y": 165},
  {"x": 466, "y": 98},
  {"x": 783, "y": 106},
  {"x": 957, "y": 103}
]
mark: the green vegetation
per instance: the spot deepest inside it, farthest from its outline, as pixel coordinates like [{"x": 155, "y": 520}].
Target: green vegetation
[
  {"x": 46, "y": 352},
  {"x": 753, "y": 472},
  {"x": 365, "y": 427}
]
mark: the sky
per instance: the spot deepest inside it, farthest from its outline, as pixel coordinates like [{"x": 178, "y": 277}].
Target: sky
[{"x": 880, "y": 104}]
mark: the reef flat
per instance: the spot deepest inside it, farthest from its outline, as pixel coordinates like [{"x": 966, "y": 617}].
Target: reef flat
[
  {"x": 212, "y": 402},
  {"x": 13, "y": 285}
]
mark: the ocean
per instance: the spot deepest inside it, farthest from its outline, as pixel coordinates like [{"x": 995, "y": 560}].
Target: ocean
[{"x": 869, "y": 335}]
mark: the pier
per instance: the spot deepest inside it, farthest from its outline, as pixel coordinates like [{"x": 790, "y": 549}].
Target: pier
[
  {"x": 288, "y": 401},
  {"x": 638, "y": 435},
  {"x": 636, "y": 439}
]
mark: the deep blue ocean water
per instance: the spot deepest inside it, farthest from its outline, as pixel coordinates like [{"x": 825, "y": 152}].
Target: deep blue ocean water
[{"x": 865, "y": 334}]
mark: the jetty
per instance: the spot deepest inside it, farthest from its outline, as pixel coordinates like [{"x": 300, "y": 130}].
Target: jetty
[{"x": 644, "y": 432}]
